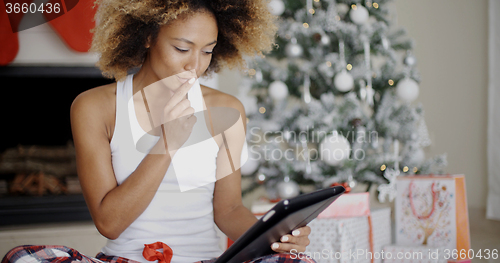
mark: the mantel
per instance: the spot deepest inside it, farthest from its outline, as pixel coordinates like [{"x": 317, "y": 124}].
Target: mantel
[{"x": 50, "y": 72}]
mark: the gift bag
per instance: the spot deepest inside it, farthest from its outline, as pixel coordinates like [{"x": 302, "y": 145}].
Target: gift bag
[{"x": 432, "y": 211}]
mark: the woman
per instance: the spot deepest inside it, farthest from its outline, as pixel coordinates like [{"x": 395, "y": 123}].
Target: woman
[{"x": 135, "y": 170}]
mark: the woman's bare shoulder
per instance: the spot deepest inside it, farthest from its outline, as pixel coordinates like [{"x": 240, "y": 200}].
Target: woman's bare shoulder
[
  {"x": 96, "y": 99},
  {"x": 217, "y": 98},
  {"x": 96, "y": 106}
]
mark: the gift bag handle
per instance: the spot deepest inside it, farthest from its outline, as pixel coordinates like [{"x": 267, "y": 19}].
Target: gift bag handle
[{"x": 434, "y": 197}]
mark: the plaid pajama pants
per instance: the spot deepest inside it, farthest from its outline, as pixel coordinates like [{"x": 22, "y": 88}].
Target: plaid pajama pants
[{"x": 62, "y": 254}]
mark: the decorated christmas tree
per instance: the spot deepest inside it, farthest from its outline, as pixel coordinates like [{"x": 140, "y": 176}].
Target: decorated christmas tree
[{"x": 334, "y": 103}]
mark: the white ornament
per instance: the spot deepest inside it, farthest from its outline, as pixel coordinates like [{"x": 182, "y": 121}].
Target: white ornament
[
  {"x": 388, "y": 190},
  {"x": 276, "y": 7},
  {"x": 343, "y": 81},
  {"x": 385, "y": 43},
  {"x": 250, "y": 165},
  {"x": 342, "y": 9},
  {"x": 334, "y": 149},
  {"x": 359, "y": 15},
  {"x": 351, "y": 182},
  {"x": 325, "y": 39},
  {"x": 410, "y": 60},
  {"x": 288, "y": 189},
  {"x": 278, "y": 90},
  {"x": 407, "y": 90},
  {"x": 293, "y": 49}
]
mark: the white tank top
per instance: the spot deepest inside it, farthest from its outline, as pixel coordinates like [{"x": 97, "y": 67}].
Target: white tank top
[{"x": 180, "y": 218}]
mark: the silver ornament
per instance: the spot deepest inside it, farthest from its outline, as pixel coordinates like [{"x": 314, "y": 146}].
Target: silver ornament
[
  {"x": 407, "y": 90},
  {"x": 385, "y": 43},
  {"x": 343, "y": 81},
  {"x": 351, "y": 182},
  {"x": 276, "y": 7},
  {"x": 258, "y": 76},
  {"x": 307, "y": 91},
  {"x": 293, "y": 49},
  {"x": 325, "y": 39},
  {"x": 410, "y": 60},
  {"x": 278, "y": 90},
  {"x": 359, "y": 15},
  {"x": 288, "y": 188},
  {"x": 342, "y": 9}
]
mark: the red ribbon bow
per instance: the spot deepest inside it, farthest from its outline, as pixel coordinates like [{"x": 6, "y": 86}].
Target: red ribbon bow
[{"x": 151, "y": 253}]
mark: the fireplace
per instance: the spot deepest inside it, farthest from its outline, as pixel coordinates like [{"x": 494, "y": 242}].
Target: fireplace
[{"x": 38, "y": 181}]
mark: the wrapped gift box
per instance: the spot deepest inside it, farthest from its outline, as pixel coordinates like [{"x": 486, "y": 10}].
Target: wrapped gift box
[
  {"x": 350, "y": 239},
  {"x": 348, "y": 205}
]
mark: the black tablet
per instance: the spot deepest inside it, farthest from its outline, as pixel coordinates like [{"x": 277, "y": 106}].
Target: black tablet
[{"x": 282, "y": 219}]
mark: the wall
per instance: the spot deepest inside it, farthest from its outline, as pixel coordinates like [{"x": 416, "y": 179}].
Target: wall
[{"x": 451, "y": 38}]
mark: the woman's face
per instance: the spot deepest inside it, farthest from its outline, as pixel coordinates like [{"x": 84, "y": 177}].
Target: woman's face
[{"x": 183, "y": 49}]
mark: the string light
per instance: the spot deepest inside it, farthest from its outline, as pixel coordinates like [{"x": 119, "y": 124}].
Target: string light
[
  {"x": 317, "y": 1},
  {"x": 328, "y": 64},
  {"x": 349, "y": 66},
  {"x": 383, "y": 167},
  {"x": 311, "y": 11},
  {"x": 375, "y": 5},
  {"x": 262, "y": 110},
  {"x": 405, "y": 169},
  {"x": 337, "y": 18},
  {"x": 354, "y": 7},
  {"x": 252, "y": 72},
  {"x": 262, "y": 177},
  {"x": 391, "y": 82},
  {"x": 415, "y": 169},
  {"x": 306, "y": 25},
  {"x": 368, "y": 4}
]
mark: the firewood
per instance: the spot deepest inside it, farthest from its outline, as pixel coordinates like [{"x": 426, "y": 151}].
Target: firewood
[
  {"x": 37, "y": 184},
  {"x": 40, "y": 184},
  {"x": 30, "y": 166},
  {"x": 16, "y": 185},
  {"x": 61, "y": 153}
]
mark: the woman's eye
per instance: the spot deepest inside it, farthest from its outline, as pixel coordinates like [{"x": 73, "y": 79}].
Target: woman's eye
[
  {"x": 208, "y": 52},
  {"x": 182, "y": 50}
]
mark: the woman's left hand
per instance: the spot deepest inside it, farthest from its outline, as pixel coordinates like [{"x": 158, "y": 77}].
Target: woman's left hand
[{"x": 294, "y": 243}]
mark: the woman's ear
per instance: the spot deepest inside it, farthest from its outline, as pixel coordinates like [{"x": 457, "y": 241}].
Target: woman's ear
[{"x": 148, "y": 42}]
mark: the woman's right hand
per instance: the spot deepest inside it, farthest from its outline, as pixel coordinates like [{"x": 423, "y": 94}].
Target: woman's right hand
[{"x": 177, "y": 120}]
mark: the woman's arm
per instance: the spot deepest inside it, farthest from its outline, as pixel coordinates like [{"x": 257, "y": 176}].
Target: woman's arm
[
  {"x": 230, "y": 215},
  {"x": 113, "y": 207}
]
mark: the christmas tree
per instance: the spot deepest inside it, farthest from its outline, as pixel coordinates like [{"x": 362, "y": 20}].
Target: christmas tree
[{"x": 335, "y": 101}]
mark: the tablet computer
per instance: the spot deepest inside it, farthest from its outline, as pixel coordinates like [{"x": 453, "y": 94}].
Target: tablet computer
[{"x": 282, "y": 219}]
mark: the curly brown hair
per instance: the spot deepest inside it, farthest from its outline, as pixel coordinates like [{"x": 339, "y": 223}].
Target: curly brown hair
[{"x": 124, "y": 26}]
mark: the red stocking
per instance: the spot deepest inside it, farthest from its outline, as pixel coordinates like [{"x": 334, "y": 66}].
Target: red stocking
[
  {"x": 75, "y": 24},
  {"x": 9, "y": 24}
]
